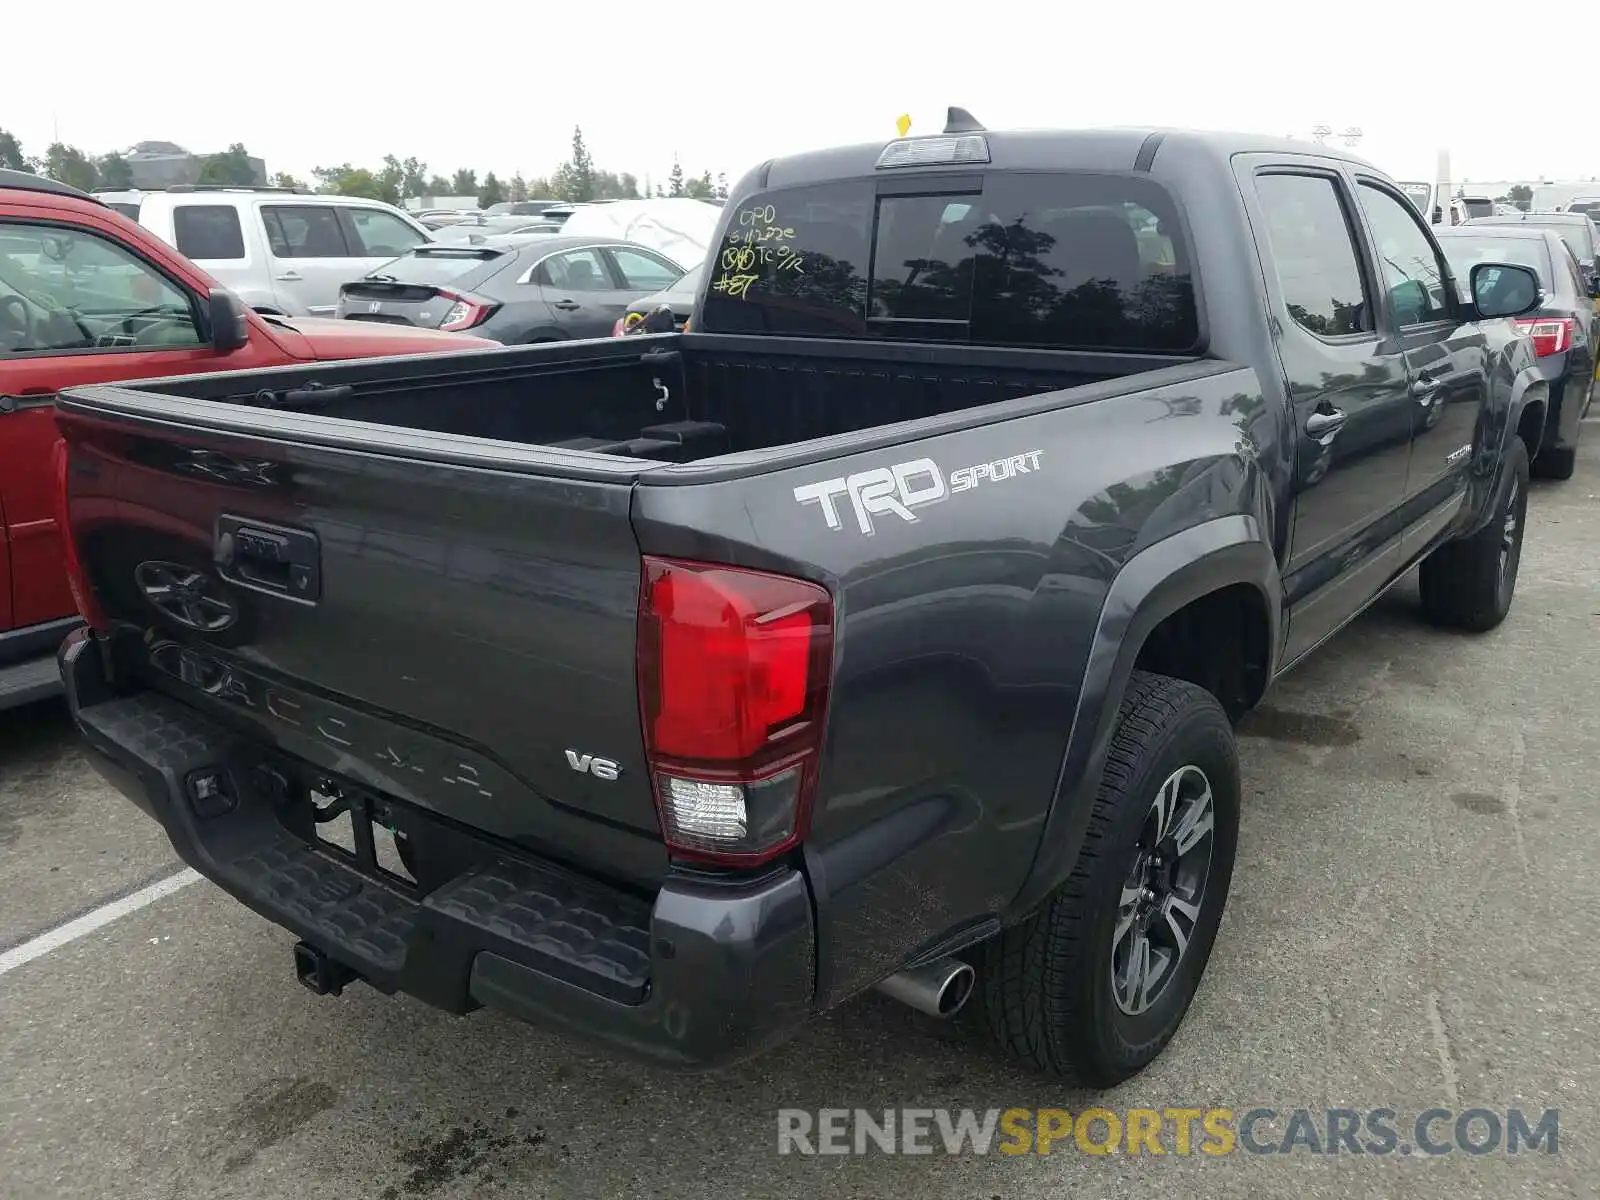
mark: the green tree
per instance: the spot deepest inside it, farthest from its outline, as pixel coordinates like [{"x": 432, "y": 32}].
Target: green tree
[
  {"x": 1521, "y": 195},
  {"x": 628, "y": 185},
  {"x": 438, "y": 185},
  {"x": 464, "y": 183},
  {"x": 540, "y": 188},
  {"x": 11, "y": 156},
  {"x": 701, "y": 188},
  {"x": 115, "y": 171},
  {"x": 675, "y": 178},
  {"x": 517, "y": 189},
  {"x": 391, "y": 180},
  {"x": 575, "y": 179},
  {"x": 345, "y": 180},
  {"x": 721, "y": 192},
  {"x": 492, "y": 192},
  {"x": 231, "y": 168},
  {"x": 285, "y": 180},
  {"x": 413, "y": 178},
  {"x": 69, "y": 165}
]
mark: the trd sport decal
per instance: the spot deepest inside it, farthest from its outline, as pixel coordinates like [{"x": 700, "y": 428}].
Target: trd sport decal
[{"x": 905, "y": 487}]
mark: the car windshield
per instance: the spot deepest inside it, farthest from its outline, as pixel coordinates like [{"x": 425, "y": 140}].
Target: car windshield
[
  {"x": 1465, "y": 251},
  {"x": 436, "y": 263}
]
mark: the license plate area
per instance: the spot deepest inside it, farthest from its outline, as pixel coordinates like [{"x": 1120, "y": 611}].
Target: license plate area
[{"x": 377, "y": 837}]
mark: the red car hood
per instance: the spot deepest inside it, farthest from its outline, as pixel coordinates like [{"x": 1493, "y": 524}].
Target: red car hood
[{"x": 332, "y": 338}]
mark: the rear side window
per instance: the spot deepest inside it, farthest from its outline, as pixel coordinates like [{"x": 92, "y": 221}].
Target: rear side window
[
  {"x": 208, "y": 231},
  {"x": 1060, "y": 260},
  {"x": 304, "y": 231},
  {"x": 1315, "y": 256}
]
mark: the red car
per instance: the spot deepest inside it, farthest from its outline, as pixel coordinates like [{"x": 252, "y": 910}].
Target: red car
[{"x": 87, "y": 296}]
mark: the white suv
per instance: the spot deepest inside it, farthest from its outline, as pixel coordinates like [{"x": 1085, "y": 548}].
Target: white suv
[{"x": 279, "y": 250}]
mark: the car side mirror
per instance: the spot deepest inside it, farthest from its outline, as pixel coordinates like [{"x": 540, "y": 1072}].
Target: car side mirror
[
  {"x": 1594, "y": 286},
  {"x": 1504, "y": 290},
  {"x": 229, "y": 328}
]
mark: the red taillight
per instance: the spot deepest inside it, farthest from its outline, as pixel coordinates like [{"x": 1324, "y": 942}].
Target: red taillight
[
  {"x": 77, "y": 578},
  {"x": 733, "y": 680},
  {"x": 1551, "y": 335},
  {"x": 465, "y": 311}
]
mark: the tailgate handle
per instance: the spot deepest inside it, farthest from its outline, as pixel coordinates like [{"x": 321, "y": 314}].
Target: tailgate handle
[{"x": 275, "y": 559}]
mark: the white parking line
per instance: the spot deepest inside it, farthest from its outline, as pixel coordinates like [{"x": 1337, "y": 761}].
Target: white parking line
[{"x": 54, "y": 939}]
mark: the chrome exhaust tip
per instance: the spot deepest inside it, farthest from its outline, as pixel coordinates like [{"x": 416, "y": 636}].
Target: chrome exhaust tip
[{"x": 937, "y": 988}]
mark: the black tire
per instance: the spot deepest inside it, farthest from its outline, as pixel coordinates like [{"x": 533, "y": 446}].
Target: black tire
[
  {"x": 1469, "y": 584},
  {"x": 1049, "y": 990},
  {"x": 1552, "y": 463}
]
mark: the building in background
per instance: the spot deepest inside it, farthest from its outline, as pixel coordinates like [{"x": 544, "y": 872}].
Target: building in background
[{"x": 157, "y": 165}]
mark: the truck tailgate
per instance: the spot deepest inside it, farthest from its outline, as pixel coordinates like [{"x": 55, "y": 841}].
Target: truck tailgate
[{"x": 453, "y": 625}]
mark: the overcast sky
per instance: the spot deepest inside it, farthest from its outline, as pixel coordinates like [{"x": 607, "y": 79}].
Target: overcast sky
[{"x": 499, "y": 85}]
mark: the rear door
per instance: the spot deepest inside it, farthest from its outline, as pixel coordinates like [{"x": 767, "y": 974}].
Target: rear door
[
  {"x": 585, "y": 297},
  {"x": 315, "y": 248},
  {"x": 1347, "y": 382}
]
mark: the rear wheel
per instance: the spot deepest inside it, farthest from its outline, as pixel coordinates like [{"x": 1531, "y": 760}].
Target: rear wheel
[
  {"x": 1094, "y": 985},
  {"x": 1469, "y": 584},
  {"x": 1552, "y": 463}
]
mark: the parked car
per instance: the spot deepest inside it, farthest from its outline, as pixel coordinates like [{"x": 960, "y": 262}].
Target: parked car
[
  {"x": 1575, "y": 229},
  {"x": 679, "y": 297},
  {"x": 279, "y": 250},
  {"x": 1589, "y": 206},
  {"x": 1564, "y": 327},
  {"x": 892, "y": 622},
  {"x": 87, "y": 296},
  {"x": 516, "y": 290},
  {"x": 521, "y": 208},
  {"x": 480, "y": 225}
]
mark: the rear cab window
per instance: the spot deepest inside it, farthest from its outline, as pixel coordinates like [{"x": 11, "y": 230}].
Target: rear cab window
[{"x": 1058, "y": 260}]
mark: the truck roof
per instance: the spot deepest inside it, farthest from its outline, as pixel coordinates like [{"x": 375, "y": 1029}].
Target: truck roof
[
  {"x": 26, "y": 181},
  {"x": 1114, "y": 149}
]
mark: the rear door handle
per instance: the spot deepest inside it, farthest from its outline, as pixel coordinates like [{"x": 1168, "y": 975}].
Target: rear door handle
[
  {"x": 1424, "y": 386},
  {"x": 288, "y": 277},
  {"x": 1323, "y": 425},
  {"x": 567, "y": 305}
]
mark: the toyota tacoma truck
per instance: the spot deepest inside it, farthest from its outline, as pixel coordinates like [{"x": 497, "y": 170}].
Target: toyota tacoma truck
[
  {"x": 87, "y": 296},
  {"x": 887, "y": 629}
]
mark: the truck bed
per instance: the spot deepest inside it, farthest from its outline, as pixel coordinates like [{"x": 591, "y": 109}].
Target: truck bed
[{"x": 673, "y": 398}]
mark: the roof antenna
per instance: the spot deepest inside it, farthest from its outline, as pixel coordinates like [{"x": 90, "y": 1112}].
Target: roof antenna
[{"x": 959, "y": 120}]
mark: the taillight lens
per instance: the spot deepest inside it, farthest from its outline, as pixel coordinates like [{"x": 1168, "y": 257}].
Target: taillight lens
[
  {"x": 734, "y": 667},
  {"x": 77, "y": 578},
  {"x": 1551, "y": 335},
  {"x": 465, "y": 310}
]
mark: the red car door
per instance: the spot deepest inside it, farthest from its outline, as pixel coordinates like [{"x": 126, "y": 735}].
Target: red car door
[{"x": 84, "y": 298}]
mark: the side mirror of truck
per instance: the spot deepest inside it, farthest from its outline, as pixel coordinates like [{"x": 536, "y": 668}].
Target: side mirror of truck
[
  {"x": 229, "y": 329},
  {"x": 1504, "y": 290},
  {"x": 1594, "y": 285}
]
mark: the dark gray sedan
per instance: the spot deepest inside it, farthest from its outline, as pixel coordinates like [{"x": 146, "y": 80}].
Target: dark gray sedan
[{"x": 514, "y": 290}]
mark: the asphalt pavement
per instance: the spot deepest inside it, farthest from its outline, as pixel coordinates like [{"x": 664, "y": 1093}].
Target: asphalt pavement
[{"x": 1411, "y": 925}]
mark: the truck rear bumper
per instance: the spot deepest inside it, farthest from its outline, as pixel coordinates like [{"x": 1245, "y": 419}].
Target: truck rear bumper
[{"x": 702, "y": 976}]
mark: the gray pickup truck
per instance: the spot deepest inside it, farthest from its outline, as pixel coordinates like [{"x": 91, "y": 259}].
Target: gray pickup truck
[{"x": 887, "y": 628}]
